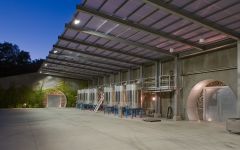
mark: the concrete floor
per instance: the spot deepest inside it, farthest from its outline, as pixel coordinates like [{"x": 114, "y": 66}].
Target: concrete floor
[{"x": 71, "y": 129}]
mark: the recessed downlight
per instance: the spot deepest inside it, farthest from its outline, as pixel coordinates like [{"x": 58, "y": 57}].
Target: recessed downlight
[
  {"x": 77, "y": 21},
  {"x": 201, "y": 40},
  {"x": 171, "y": 50}
]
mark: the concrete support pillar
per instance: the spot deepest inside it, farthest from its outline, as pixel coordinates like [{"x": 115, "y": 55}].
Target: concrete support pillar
[
  {"x": 238, "y": 78},
  {"x": 141, "y": 83},
  {"x": 177, "y": 80},
  {"x": 158, "y": 98},
  {"x": 104, "y": 81},
  {"x": 120, "y": 77},
  {"x": 114, "y": 78},
  {"x": 157, "y": 73},
  {"x": 111, "y": 79},
  {"x": 129, "y": 76},
  {"x": 141, "y": 75},
  {"x": 98, "y": 82}
]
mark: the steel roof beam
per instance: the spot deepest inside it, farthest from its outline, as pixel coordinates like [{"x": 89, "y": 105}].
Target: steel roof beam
[
  {"x": 116, "y": 66},
  {"x": 96, "y": 55},
  {"x": 80, "y": 68},
  {"x": 48, "y": 71},
  {"x": 139, "y": 27},
  {"x": 117, "y": 39},
  {"x": 192, "y": 17},
  {"x": 80, "y": 72},
  {"x": 104, "y": 48},
  {"x": 66, "y": 63},
  {"x": 85, "y": 64},
  {"x": 62, "y": 75},
  {"x": 72, "y": 72}
]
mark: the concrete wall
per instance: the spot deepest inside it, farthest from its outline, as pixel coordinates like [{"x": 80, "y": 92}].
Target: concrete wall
[
  {"x": 135, "y": 74},
  {"x": 35, "y": 81},
  {"x": 148, "y": 70},
  {"x": 219, "y": 65},
  {"x": 124, "y": 76},
  {"x": 28, "y": 89}
]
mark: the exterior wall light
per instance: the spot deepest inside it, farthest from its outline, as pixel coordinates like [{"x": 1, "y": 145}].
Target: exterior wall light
[
  {"x": 209, "y": 119},
  {"x": 154, "y": 98},
  {"x": 171, "y": 50},
  {"x": 45, "y": 65}
]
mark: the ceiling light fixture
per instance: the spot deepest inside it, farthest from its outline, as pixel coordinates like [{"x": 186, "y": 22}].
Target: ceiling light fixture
[
  {"x": 171, "y": 50},
  {"x": 45, "y": 65},
  {"x": 201, "y": 40},
  {"x": 76, "y": 21},
  {"x": 55, "y": 51}
]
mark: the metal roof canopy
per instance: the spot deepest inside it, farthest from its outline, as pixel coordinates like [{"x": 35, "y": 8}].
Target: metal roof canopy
[
  {"x": 80, "y": 66},
  {"x": 85, "y": 64},
  {"x": 80, "y": 74},
  {"x": 116, "y": 35},
  {"x": 161, "y": 4},
  {"x": 76, "y": 67},
  {"x": 65, "y": 75}
]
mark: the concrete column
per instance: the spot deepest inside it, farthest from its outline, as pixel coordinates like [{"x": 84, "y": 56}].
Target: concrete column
[
  {"x": 141, "y": 80},
  {"x": 114, "y": 78},
  {"x": 158, "y": 100},
  {"x": 104, "y": 81},
  {"x": 157, "y": 72},
  {"x": 111, "y": 79},
  {"x": 177, "y": 78},
  {"x": 120, "y": 77},
  {"x": 238, "y": 77},
  {"x": 129, "y": 76},
  {"x": 98, "y": 82},
  {"x": 141, "y": 75}
]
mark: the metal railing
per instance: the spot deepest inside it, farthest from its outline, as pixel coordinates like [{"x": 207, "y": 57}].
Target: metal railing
[
  {"x": 149, "y": 82},
  {"x": 166, "y": 82}
]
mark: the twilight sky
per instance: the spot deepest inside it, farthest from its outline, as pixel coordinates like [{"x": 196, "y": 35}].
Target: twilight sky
[{"x": 34, "y": 25}]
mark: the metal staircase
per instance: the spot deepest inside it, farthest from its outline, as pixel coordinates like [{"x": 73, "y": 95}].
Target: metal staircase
[{"x": 99, "y": 102}]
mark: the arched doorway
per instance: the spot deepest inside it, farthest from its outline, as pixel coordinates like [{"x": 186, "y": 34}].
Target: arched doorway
[
  {"x": 211, "y": 100},
  {"x": 55, "y": 99}
]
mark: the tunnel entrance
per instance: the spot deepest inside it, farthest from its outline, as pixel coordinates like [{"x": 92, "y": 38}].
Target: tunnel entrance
[
  {"x": 55, "y": 99},
  {"x": 211, "y": 100}
]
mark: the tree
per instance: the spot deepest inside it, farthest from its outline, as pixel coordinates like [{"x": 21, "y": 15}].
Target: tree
[
  {"x": 14, "y": 61},
  {"x": 23, "y": 58},
  {"x": 10, "y": 54}
]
